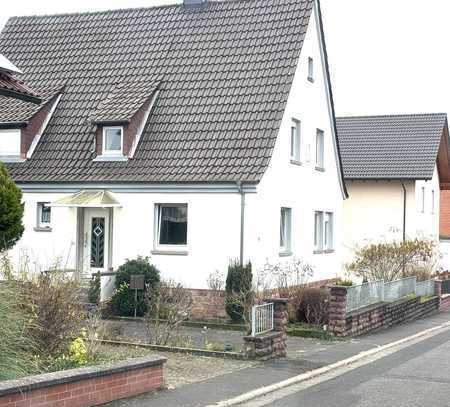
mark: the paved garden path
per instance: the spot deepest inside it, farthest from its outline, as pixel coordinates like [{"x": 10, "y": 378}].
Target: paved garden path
[{"x": 304, "y": 355}]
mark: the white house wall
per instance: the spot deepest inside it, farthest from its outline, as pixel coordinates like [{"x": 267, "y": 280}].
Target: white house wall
[
  {"x": 40, "y": 250},
  {"x": 300, "y": 187},
  {"x": 428, "y": 220},
  {"x": 374, "y": 212}
]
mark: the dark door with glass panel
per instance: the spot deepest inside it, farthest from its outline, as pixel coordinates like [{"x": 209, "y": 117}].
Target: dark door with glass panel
[{"x": 98, "y": 242}]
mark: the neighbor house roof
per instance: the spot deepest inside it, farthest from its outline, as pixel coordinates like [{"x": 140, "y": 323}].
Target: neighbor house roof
[
  {"x": 15, "y": 110},
  {"x": 13, "y": 87},
  {"x": 224, "y": 73},
  {"x": 391, "y": 147}
]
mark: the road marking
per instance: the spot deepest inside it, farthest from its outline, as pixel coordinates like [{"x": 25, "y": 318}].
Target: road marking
[{"x": 330, "y": 371}]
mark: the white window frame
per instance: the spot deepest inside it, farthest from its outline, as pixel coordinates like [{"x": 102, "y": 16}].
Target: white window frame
[
  {"x": 296, "y": 141},
  {"x": 181, "y": 248},
  {"x": 112, "y": 153},
  {"x": 324, "y": 232},
  {"x": 311, "y": 69},
  {"x": 285, "y": 231},
  {"x": 40, "y": 223},
  {"x": 18, "y": 143},
  {"x": 320, "y": 153},
  {"x": 433, "y": 203},
  {"x": 422, "y": 199}
]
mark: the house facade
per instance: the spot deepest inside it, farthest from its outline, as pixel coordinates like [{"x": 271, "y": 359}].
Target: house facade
[
  {"x": 396, "y": 168},
  {"x": 193, "y": 134}
]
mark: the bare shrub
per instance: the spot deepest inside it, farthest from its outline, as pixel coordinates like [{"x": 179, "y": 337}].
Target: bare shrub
[
  {"x": 169, "y": 304},
  {"x": 313, "y": 307},
  {"x": 94, "y": 331},
  {"x": 56, "y": 313},
  {"x": 287, "y": 280},
  {"x": 216, "y": 281},
  {"x": 390, "y": 261}
]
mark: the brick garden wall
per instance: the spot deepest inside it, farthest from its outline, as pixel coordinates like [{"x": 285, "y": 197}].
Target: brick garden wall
[
  {"x": 378, "y": 316},
  {"x": 86, "y": 386},
  {"x": 208, "y": 304}
]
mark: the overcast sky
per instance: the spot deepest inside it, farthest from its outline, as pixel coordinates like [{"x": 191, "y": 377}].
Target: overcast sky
[{"x": 386, "y": 56}]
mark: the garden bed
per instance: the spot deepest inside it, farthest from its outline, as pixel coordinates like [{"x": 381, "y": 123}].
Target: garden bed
[{"x": 308, "y": 331}]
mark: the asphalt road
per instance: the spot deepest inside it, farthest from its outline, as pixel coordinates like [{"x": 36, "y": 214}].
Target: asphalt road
[{"x": 418, "y": 375}]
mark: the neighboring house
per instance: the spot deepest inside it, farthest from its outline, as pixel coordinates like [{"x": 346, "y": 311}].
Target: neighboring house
[
  {"x": 12, "y": 86},
  {"x": 194, "y": 134},
  {"x": 395, "y": 168}
]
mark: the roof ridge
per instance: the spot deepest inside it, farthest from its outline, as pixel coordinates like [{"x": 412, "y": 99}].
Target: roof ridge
[
  {"x": 179, "y": 3},
  {"x": 391, "y": 115}
]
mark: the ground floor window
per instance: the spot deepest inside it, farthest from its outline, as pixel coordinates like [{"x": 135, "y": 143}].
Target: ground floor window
[
  {"x": 323, "y": 231},
  {"x": 44, "y": 215},
  {"x": 285, "y": 230},
  {"x": 172, "y": 223}
]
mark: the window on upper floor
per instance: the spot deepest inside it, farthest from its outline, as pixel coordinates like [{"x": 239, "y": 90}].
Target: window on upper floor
[
  {"x": 432, "y": 201},
  {"x": 285, "y": 231},
  {"x": 112, "y": 141},
  {"x": 320, "y": 150},
  {"x": 10, "y": 141},
  {"x": 44, "y": 216},
  {"x": 422, "y": 200},
  {"x": 295, "y": 141},
  {"x": 172, "y": 224},
  {"x": 310, "y": 69},
  {"x": 323, "y": 232}
]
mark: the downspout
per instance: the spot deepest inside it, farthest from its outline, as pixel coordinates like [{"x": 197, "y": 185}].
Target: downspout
[
  {"x": 404, "y": 212},
  {"x": 241, "y": 238}
]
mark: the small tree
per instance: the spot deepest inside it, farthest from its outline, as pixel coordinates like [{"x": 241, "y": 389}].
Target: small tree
[
  {"x": 11, "y": 211},
  {"x": 390, "y": 261},
  {"x": 238, "y": 288}
]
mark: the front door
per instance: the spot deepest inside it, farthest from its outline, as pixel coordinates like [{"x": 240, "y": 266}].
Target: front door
[{"x": 95, "y": 242}]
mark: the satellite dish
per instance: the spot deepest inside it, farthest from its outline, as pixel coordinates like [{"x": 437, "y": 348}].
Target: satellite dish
[{"x": 7, "y": 66}]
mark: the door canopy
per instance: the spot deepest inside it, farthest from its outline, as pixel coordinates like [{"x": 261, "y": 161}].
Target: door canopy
[{"x": 89, "y": 199}]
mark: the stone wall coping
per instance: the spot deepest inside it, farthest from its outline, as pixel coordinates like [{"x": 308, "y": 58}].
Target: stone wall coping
[
  {"x": 30, "y": 383},
  {"x": 264, "y": 337}
]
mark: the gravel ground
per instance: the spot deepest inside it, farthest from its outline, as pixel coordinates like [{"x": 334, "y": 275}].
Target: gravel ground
[
  {"x": 134, "y": 331},
  {"x": 180, "y": 369}
]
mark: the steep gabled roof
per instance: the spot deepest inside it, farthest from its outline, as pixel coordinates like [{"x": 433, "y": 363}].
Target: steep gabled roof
[
  {"x": 225, "y": 73},
  {"x": 391, "y": 147}
]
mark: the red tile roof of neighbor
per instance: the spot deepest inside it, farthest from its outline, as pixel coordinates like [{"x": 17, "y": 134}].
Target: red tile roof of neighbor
[{"x": 224, "y": 73}]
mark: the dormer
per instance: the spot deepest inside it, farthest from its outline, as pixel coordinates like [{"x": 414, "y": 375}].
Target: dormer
[
  {"x": 120, "y": 119},
  {"x": 22, "y": 123}
]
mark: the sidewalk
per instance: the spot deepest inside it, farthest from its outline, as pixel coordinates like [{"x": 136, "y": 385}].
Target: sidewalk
[{"x": 304, "y": 355}]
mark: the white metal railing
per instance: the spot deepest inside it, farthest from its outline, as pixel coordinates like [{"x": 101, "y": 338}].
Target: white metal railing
[
  {"x": 262, "y": 318},
  {"x": 363, "y": 295},
  {"x": 394, "y": 290},
  {"x": 359, "y": 296},
  {"x": 425, "y": 288}
]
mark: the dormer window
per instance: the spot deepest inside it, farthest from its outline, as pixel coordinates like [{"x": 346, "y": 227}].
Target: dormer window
[
  {"x": 10, "y": 140},
  {"x": 113, "y": 141}
]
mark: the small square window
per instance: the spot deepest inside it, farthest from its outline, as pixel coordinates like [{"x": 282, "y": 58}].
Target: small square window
[
  {"x": 320, "y": 147},
  {"x": 44, "y": 215},
  {"x": 295, "y": 140},
  {"x": 310, "y": 69},
  {"x": 113, "y": 141},
  {"x": 285, "y": 230},
  {"x": 172, "y": 225},
  {"x": 10, "y": 143}
]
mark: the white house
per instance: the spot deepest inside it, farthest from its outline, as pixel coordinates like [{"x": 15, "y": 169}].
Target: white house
[
  {"x": 192, "y": 133},
  {"x": 395, "y": 168}
]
